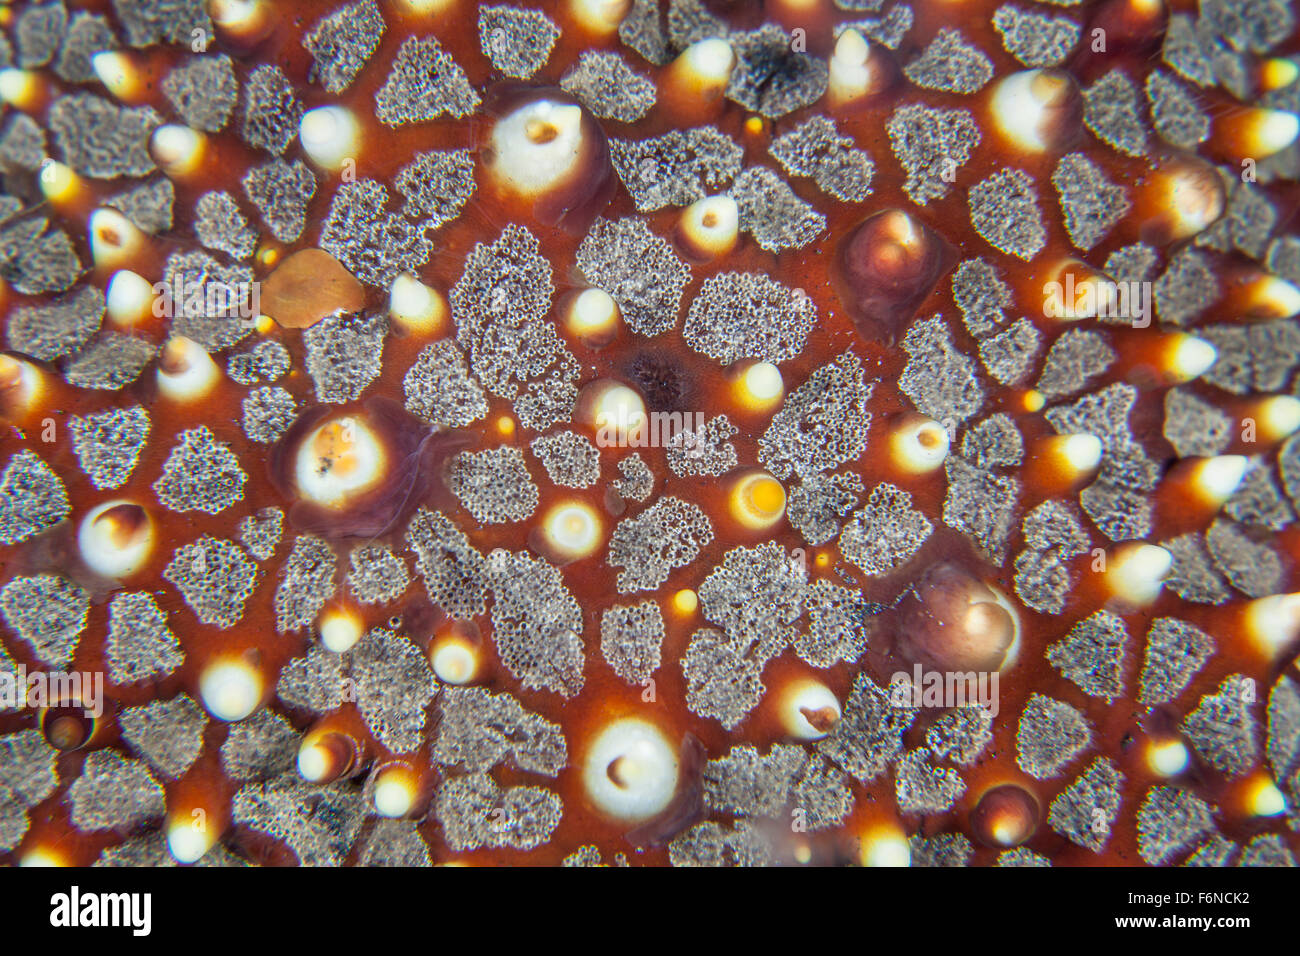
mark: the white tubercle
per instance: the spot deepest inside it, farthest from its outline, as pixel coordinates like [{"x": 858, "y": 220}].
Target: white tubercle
[
  {"x": 19, "y": 88},
  {"x": 1020, "y": 105},
  {"x": 314, "y": 761},
  {"x": 708, "y": 62},
  {"x": 630, "y": 771},
  {"x": 593, "y": 314},
  {"x": 1079, "y": 293},
  {"x": 615, "y": 411},
  {"x": 115, "y": 538},
  {"x": 850, "y": 73},
  {"x": 129, "y": 300},
  {"x": 1136, "y": 572},
  {"x": 572, "y": 529},
  {"x": 1081, "y": 452},
  {"x": 1012, "y": 654},
  {"x": 339, "y": 629},
  {"x": 1269, "y": 132},
  {"x": 919, "y": 445},
  {"x": 1279, "y": 416},
  {"x": 1275, "y": 298},
  {"x": 537, "y": 146},
  {"x": 1191, "y": 205},
  {"x": 330, "y": 135},
  {"x": 339, "y": 458},
  {"x": 1168, "y": 758},
  {"x": 600, "y": 16},
  {"x": 113, "y": 238},
  {"x": 187, "y": 842},
  {"x": 1264, "y": 799},
  {"x": 808, "y": 709},
  {"x": 119, "y": 75},
  {"x": 1215, "y": 479},
  {"x": 1273, "y": 622},
  {"x": 416, "y": 307},
  {"x": 39, "y": 856},
  {"x": 759, "y": 386},
  {"x": 236, "y": 15},
  {"x": 186, "y": 371},
  {"x": 454, "y": 661},
  {"x": 710, "y": 225},
  {"x": 1191, "y": 357},
  {"x": 230, "y": 689},
  {"x": 885, "y": 846},
  {"x": 394, "y": 792},
  {"x": 327, "y": 755},
  {"x": 178, "y": 150}
]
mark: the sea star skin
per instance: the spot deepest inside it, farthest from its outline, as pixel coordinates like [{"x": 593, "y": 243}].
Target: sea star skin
[{"x": 376, "y": 570}]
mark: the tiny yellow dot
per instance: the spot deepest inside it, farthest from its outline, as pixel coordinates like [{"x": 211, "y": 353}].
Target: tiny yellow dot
[
  {"x": 686, "y": 601},
  {"x": 265, "y": 324},
  {"x": 506, "y": 425},
  {"x": 1034, "y": 401},
  {"x": 754, "y": 125},
  {"x": 823, "y": 559}
]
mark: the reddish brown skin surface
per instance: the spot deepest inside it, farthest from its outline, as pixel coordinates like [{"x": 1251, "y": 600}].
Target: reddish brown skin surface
[{"x": 605, "y": 696}]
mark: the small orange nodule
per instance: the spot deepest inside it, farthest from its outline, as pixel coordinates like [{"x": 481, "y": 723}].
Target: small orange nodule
[
  {"x": 541, "y": 132},
  {"x": 506, "y": 425},
  {"x": 334, "y": 445},
  {"x": 686, "y": 601},
  {"x": 754, "y": 125},
  {"x": 329, "y": 439}
]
